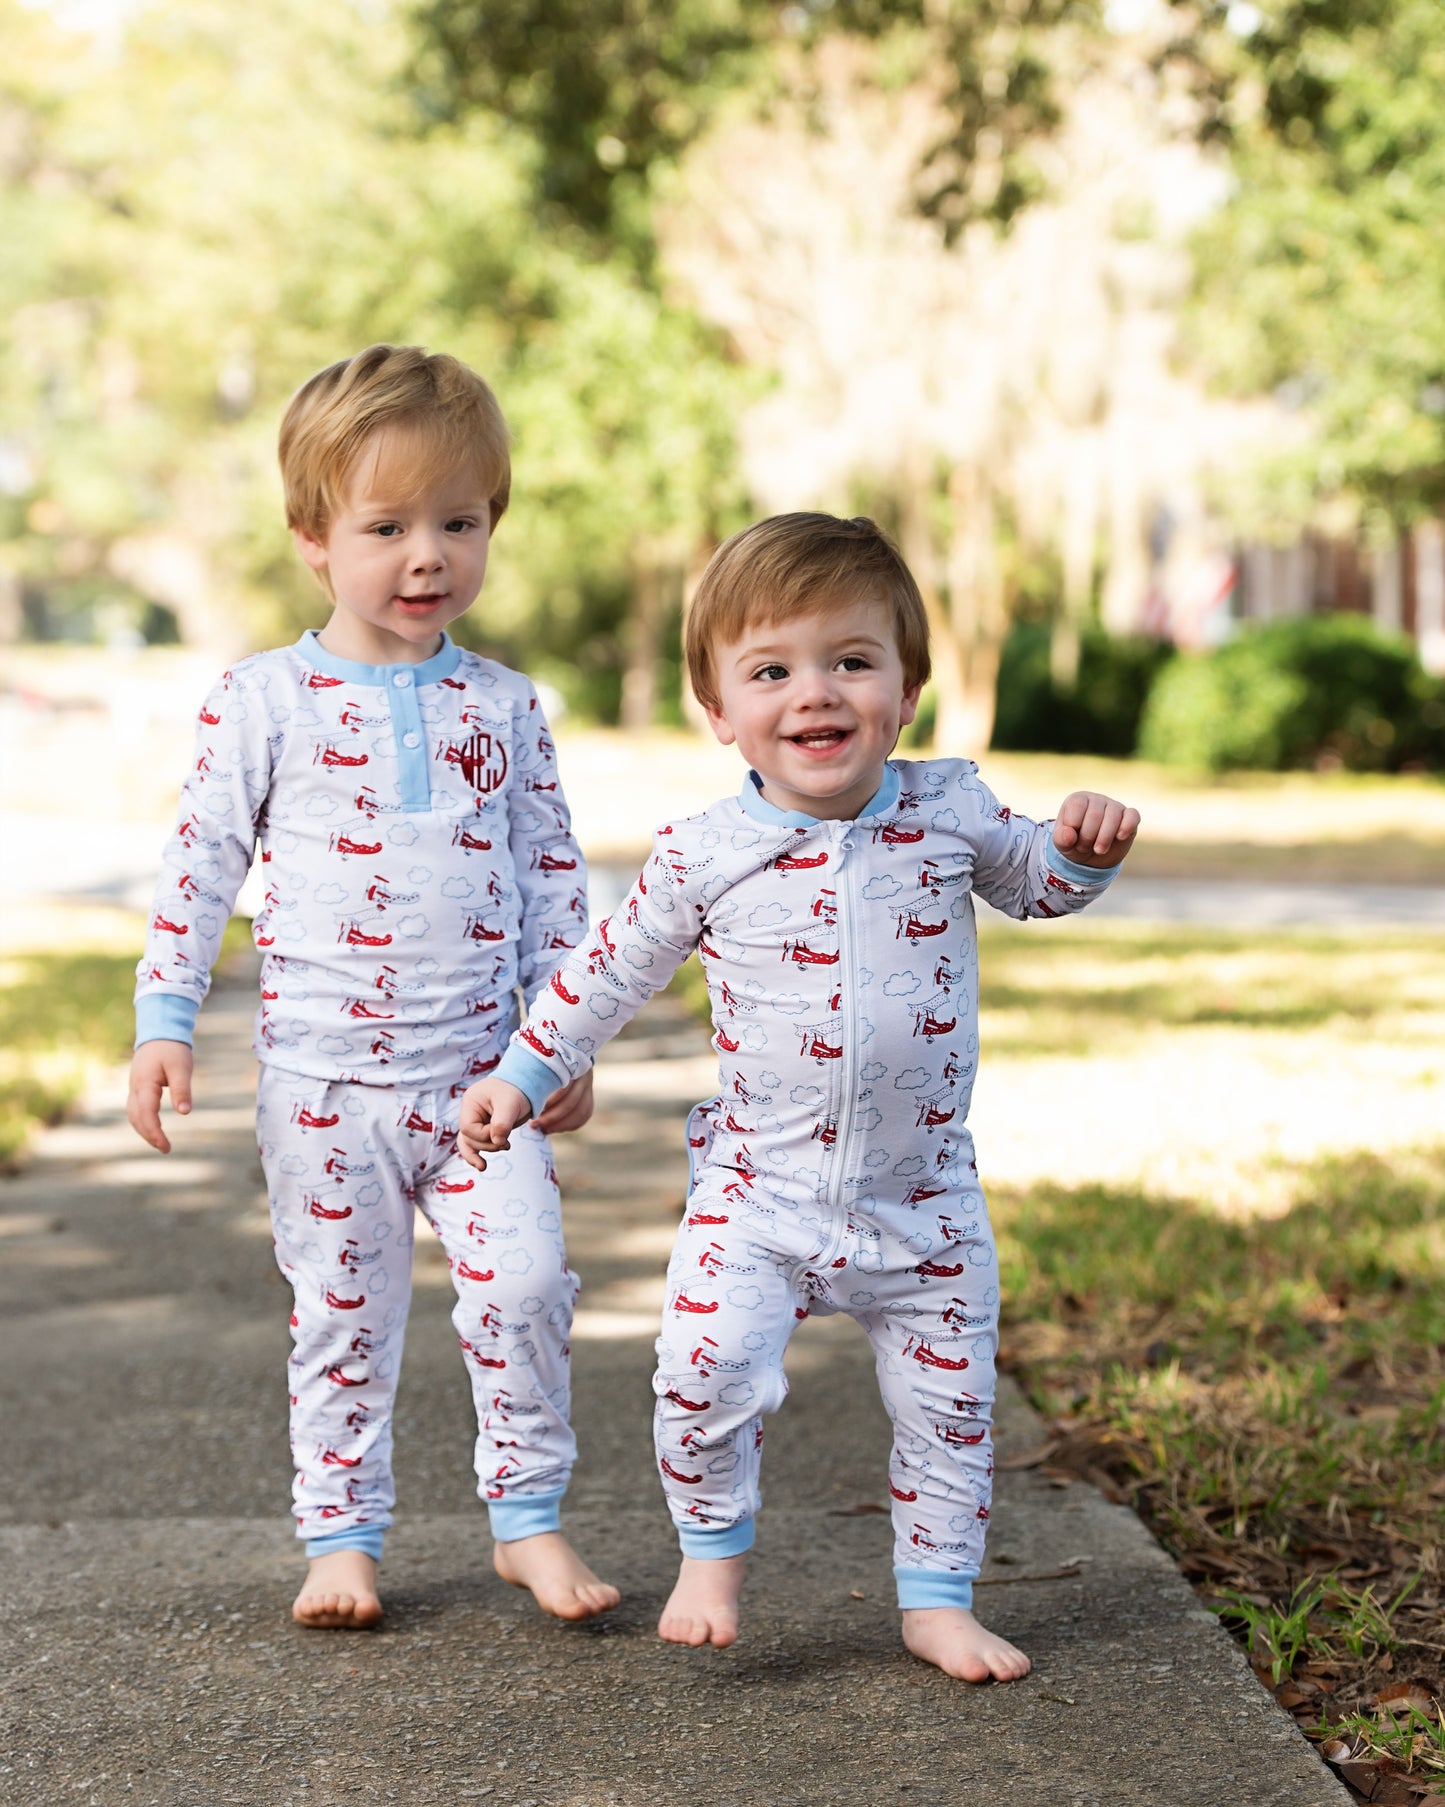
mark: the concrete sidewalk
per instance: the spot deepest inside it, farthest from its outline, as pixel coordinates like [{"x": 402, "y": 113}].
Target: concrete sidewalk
[{"x": 147, "y": 1655}]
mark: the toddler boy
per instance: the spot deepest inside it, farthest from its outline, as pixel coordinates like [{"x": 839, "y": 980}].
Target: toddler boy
[
  {"x": 831, "y": 905},
  {"x": 419, "y": 868}
]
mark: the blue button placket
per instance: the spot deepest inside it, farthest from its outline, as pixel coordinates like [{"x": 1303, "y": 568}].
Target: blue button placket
[
  {"x": 413, "y": 776},
  {"x": 401, "y": 684}
]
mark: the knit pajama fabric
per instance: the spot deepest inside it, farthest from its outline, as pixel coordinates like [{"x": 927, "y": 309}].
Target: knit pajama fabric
[
  {"x": 346, "y": 1167},
  {"x": 420, "y": 871},
  {"x": 833, "y": 1170},
  {"x": 744, "y": 1273}
]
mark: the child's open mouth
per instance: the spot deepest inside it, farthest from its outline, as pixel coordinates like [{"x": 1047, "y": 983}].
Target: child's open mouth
[
  {"x": 420, "y": 605},
  {"x": 820, "y": 740}
]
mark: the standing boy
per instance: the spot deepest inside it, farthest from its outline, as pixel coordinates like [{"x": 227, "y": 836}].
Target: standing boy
[
  {"x": 831, "y": 905},
  {"x": 419, "y": 867}
]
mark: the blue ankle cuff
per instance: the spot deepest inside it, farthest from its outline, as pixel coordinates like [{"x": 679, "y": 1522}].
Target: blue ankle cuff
[
  {"x": 369, "y": 1538},
  {"x": 526, "y": 1516},
  {"x": 933, "y": 1587},
  {"x": 727, "y": 1540}
]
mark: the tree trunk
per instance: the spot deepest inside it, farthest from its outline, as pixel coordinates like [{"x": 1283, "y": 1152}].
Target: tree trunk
[
  {"x": 970, "y": 635},
  {"x": 644, "y": 641},
  {"x": 179, "y": 573},
  {"x": 1081, "y": 515},
  {"x": 693, "y": 712}
]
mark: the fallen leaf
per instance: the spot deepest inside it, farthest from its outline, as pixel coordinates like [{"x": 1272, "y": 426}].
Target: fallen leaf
[
  {"x": 1433, "y": 1800},
  {"x": 1364, "y": 1776},
  {"x": 1335, "y": 1750},
  {"x": 1400, "y": 1697},
  {"x": 1031, "y": 1458},
  {"x": 1106, "y": 1485},
  {"x": 1291, "y": 1695},
  {"x": 1393, "y": 1791},
  {"x": 853, "y": 1594}
]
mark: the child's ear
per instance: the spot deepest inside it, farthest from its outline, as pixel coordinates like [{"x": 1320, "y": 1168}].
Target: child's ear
[
  {"x": 909, "y": 707},
  {"x": 720, "y": 725},
  {"x": 312, "y": 550}
]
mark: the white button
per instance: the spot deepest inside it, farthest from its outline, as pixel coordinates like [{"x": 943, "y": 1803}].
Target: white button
[
  {"x": 411, "y": 740},
  {"x": 401, "y": 679}
]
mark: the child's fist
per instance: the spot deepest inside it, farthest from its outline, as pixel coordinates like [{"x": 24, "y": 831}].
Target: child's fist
[
  {"x": 491, "y": 1110},
  {"x": 1094, "y": 830},
  {"x": 153, "y": 1067}
]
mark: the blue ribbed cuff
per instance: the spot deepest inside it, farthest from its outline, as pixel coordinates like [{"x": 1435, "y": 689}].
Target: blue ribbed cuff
[
  {"x": 165, "y": 1016},
  {"x": 529, "y": 1515},
  {"x": 529, "y": 1075},
  {"x": 367, "y": 1538},
  {"x": 933, "y": 1587},
  {"x": 727, "y": 1540},
  {"x": 1063, "y": 867}
]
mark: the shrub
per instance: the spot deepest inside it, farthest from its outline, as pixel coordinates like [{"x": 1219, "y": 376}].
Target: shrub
[
  {"x": 1100, "y": 715},
  {"x": 1330, "y": 689}
]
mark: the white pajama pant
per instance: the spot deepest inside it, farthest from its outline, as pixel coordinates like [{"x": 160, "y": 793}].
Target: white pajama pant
[
  {"x": 346, "y": 1165},
  {"x": 744, "y": 1273}
]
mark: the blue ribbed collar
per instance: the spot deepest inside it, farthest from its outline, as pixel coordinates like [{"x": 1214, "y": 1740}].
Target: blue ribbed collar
[
  {"x": 756, "y": 805},
  {"x": 431, "y": 671}
]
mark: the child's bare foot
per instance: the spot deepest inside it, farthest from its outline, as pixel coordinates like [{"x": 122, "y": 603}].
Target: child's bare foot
[
  {"x": 339, "y": 1592},
  {"x": 556, "y": 1576},
  {"x": 953, "y": 1640},
  {"x": 703, "y": 1608}
]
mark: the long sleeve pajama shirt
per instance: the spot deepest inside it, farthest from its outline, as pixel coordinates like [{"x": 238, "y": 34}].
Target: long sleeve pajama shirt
[
  {"x": 420, "y": 869},
  {"x": 833, "y": 1170}
]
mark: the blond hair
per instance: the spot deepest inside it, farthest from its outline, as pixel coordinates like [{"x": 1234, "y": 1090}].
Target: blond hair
[
  {"x": 800, "y": 564},
  {"x": 438, "y": 416}
]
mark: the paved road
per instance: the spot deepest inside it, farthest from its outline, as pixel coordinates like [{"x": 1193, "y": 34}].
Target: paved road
[
  {"x": 115, "y": 863},
  {"x": 146, "y": 1655}
]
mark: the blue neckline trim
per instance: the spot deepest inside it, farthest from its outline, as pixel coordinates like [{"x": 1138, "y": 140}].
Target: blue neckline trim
[
  {"x": 756, "y": 805},
  {"x": 431, "y": 671}
]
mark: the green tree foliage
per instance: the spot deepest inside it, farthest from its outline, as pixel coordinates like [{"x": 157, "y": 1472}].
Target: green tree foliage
[
  {"x": 611, "y": 91},
  {"x": 606, "y": 90},
  {"x": 1324, "y": 276},
  {"x": 231, "y": 196}
]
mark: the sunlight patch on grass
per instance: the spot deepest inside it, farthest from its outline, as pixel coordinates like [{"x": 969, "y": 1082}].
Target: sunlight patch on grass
[{"x": 1270, "y": 1394}]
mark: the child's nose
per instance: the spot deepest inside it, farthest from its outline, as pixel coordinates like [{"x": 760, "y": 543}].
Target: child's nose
[
  {"x": 814, "y": 688},
  {"x": 427, "y": 551}
]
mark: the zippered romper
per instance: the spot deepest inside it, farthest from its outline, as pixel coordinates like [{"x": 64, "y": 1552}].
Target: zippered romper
[{"x": 833, "y": 1170}]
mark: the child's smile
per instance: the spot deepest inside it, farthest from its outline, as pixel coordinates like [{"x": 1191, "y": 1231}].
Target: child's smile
[{"x": 815, "y": 705}]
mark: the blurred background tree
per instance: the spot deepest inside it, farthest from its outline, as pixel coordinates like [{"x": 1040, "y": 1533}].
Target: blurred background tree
[
  {"x": 1322, "y": 278},
  {"x": 1068, "y": 294}
]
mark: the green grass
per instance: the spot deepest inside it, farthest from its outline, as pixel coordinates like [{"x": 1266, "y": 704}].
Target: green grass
[
  {"x": 60, "y": 1014},
  {"x": 61, "y": 1017},
  {"x": 1106, "y": 986},
  {"x": 1269, "y": 1393}
]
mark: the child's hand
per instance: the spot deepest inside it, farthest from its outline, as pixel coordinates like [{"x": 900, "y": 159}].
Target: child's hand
[
  {"x": 491, "y": 1110},
  {"x": 1094, "y": 830},
  {"x": 568, "y": 1108},
  {"x": 153, "y": 1067}
]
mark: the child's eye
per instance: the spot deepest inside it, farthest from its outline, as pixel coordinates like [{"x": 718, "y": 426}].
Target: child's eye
[
  {"x": 459, "y": 525},
  {"x": 386, "y": 529},
  {"x": 854, "y": 662},
  {"x": 773, "y": 673}
]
